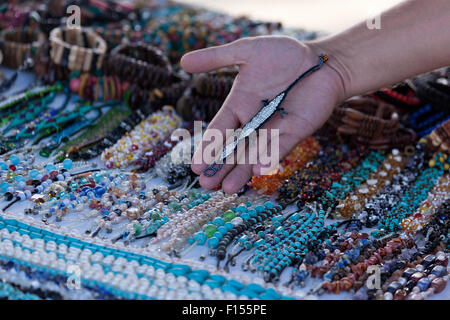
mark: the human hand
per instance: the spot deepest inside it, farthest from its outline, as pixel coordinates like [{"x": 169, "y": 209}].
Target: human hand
[{"x": 267, "y": 66}]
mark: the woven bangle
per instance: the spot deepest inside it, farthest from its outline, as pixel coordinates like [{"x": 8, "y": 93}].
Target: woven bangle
[
  {"x": 365, "y": 117},
  {"x": 18, "y": 45},
  {"x": 77, "y": 49}
]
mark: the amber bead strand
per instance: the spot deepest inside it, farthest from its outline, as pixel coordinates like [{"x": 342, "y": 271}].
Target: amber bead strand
[{"x": 269, "y": 184}]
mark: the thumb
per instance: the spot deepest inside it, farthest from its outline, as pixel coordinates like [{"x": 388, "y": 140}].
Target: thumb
[{"x": 209, "y": 59}]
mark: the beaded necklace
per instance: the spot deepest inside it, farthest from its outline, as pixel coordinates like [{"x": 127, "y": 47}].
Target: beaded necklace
[
  {"x": 393, "y": 164},
  {"x": 162, "y": 211},
  {"x": 184, "y": 224},
  {"x": 309, "y": 182},
  {"x": 427, "y": 277},
  {"x": 375, "y": 208},
  {"x": 351, "y": 180},
  {"x": 129, "y": 148},
  {"x": 347, "y": 248},
  {"x": 92, "y": 141},
  {"x": 110, "y": 270},
  {"x": 423, "y": 215},
  {"x": 27, "y": 95},
  {"x": 261, "y": 213},
  {"x": 290, "y": 242},
  {"x": 411, "y": 199},
  {"x": 393, "y": 247}
]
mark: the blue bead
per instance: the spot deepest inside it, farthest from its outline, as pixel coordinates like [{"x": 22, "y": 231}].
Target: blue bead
[
  {"x": 252, "y": 213},
  {"x": 200, "y": 237},
  {"x": 3, "y": 165},
  {"x": 229, "y": 225},
  {"x": 212, "y": 284},
  {"x": 424, "y": 284},
  {"x": 237, "y": 285},
  {"x": 19, "y": 178},
  {"x": 34, "y": 173},
  {"x": 218, "y": 235},
  {"x": 255, "y": 288},
  {"x": 439, "y": 271},
  {"x": 228, "y": 288},
  {"x": 260, "y": 209},
  {"x": 14, "y": 159},
  {"x": 223, "y": 230},
  {"x": 273, "y": 293},
  {"x": 213, "y": 242},
  {"x": 268, "y": 205},
  {"x": 4, "y": 186},
  {"x": 218, "y": 221},
  {"x": 99, "y": 191},
  {"x": 50, "y": 167},
  {"x": 67, "y": 164},
  {"x": 218, "y": 278}
]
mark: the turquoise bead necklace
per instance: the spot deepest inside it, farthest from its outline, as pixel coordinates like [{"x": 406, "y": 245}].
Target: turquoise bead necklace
[
  {"x": 351, "y": 179},
  {"x": 261, "y": 213},
  {"x": 9, "y": 292},
  {"x": 289, "y": 243},
  {"x": 213, "y": 231},
  {"x": 410, "y": 200}
]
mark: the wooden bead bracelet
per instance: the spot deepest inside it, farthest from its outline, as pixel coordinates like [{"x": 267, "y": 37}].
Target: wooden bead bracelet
[
  {"x": 141, "y": 64},
  {"x": 215, "y": 85},
  {"x": 19, "y": 45},
  {"x": 77, "y": 49}
]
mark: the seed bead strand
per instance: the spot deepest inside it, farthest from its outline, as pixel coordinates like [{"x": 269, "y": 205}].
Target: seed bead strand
[{"x": 146, "y": 135}]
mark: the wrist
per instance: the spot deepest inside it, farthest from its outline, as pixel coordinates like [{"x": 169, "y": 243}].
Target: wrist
[{"x": 337, "y": 68}]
